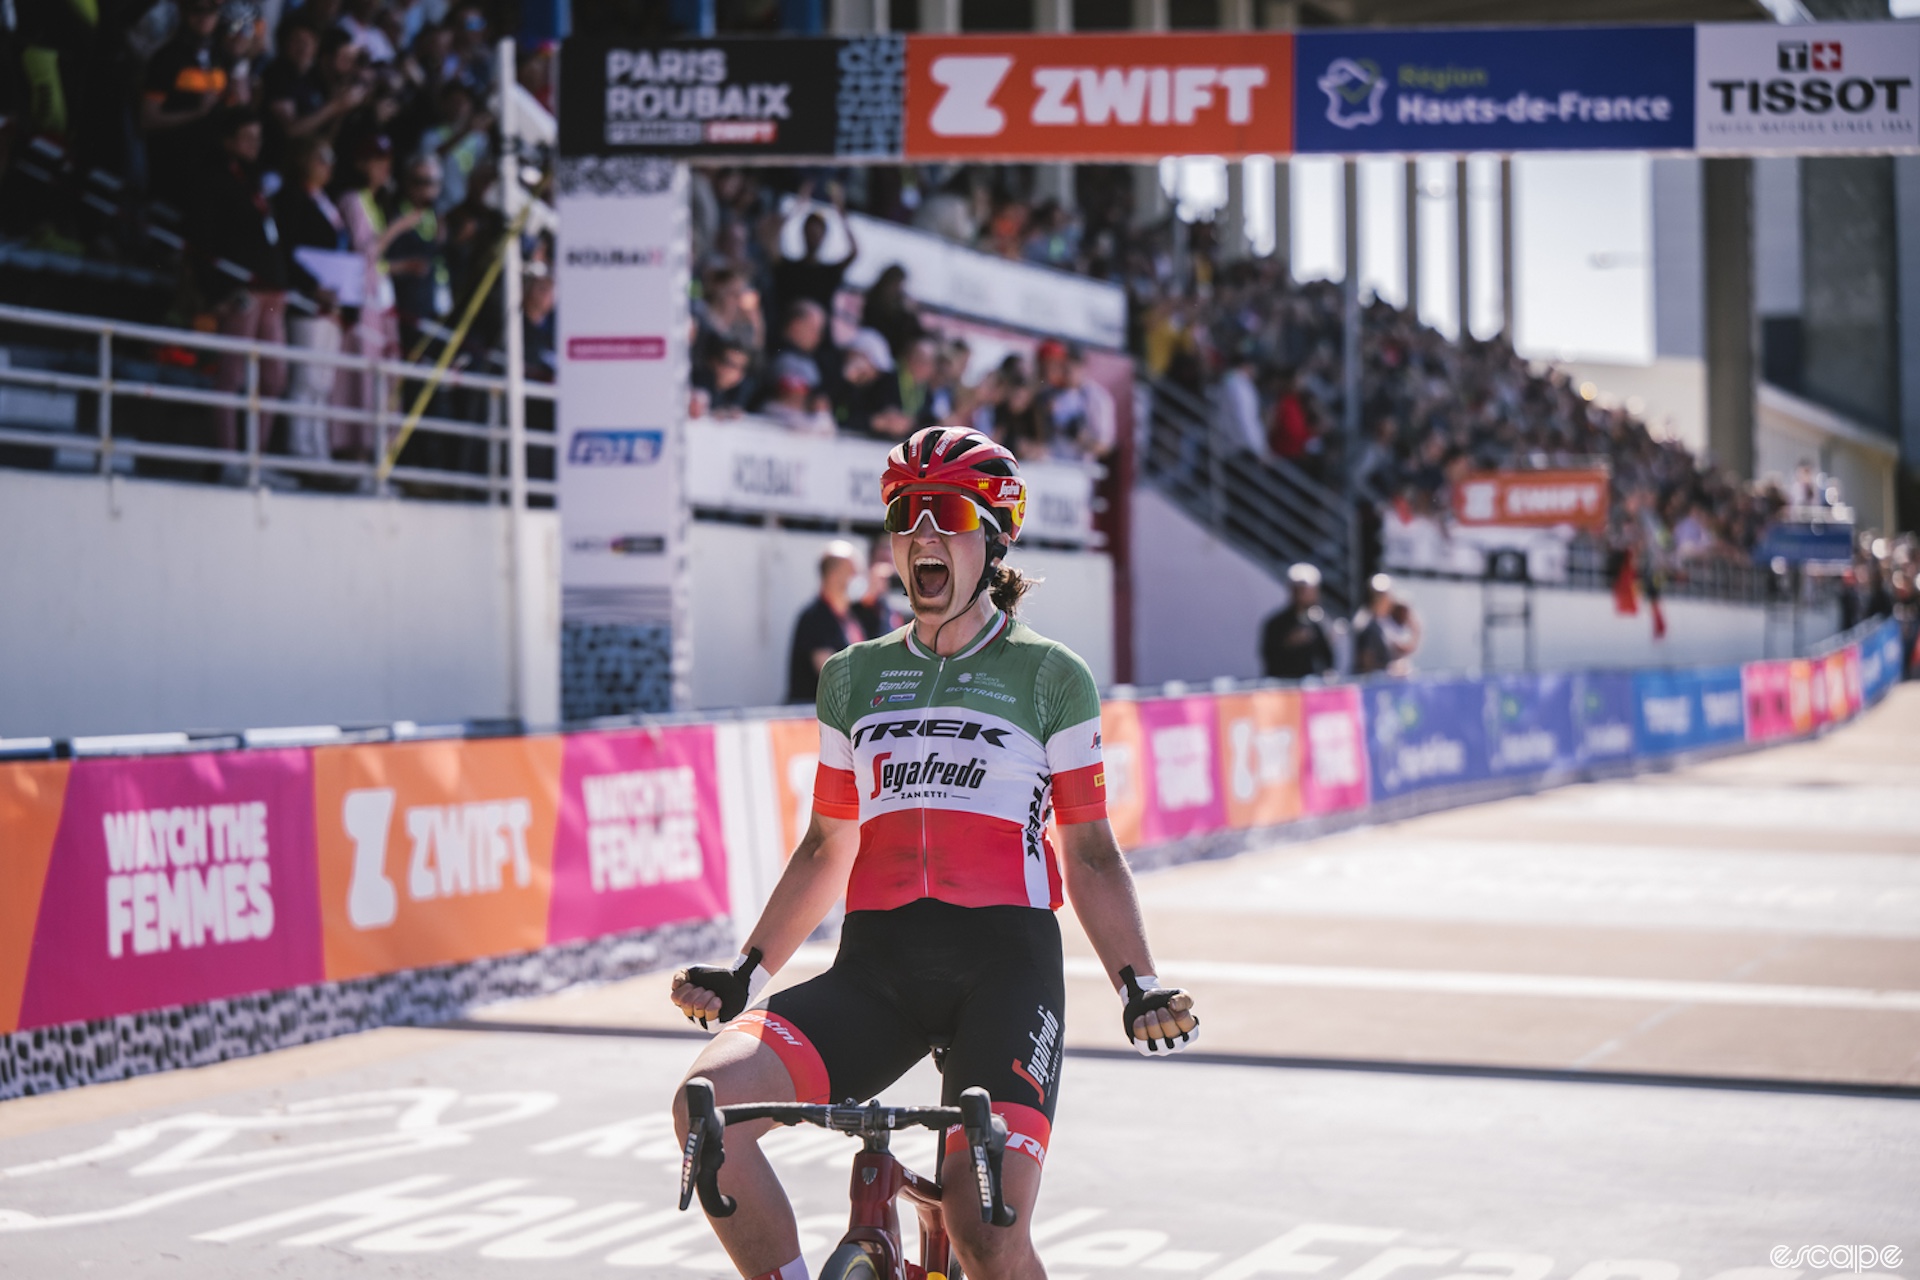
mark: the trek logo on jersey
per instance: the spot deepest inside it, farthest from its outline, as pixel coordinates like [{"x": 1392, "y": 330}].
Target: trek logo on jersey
[
  {"x": 965, "y": 730},
  {"x": 928, "y": 775}
]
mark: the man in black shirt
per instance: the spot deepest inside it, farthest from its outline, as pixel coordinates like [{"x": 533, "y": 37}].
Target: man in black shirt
[
  {"x": 232, "y": 221},
  {"x": 186, "y": 80},
  {"x": 1294, "y": 643},
  {"x": 826, "y": 626}
]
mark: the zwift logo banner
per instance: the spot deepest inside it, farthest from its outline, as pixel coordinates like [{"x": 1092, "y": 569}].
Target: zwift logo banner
[{"x": 1565, "y": 88}]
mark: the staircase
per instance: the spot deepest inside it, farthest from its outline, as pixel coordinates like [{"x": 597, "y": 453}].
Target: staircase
[{"x": 1270, "y": 511}]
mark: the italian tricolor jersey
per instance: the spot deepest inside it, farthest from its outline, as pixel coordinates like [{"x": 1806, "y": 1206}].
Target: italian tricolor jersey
[{"x": 953, "y": 765}]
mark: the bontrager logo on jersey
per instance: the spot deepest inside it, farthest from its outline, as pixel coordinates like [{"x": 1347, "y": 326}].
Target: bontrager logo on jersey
[
  {"x": 932, "y": 727},
  {"x": 928, "y": 777}
]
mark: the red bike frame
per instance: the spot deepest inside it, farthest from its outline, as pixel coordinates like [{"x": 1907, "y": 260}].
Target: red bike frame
[{"x": 878, "y": 1179}]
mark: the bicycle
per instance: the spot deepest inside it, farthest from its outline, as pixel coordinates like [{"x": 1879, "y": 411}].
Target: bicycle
[{"x": 870, "y": 1250}]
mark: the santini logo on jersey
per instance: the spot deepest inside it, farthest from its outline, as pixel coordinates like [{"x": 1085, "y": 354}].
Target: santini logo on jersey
[
  {"x": 965, "y": 730},
  {"x": 928, "y": 775}
]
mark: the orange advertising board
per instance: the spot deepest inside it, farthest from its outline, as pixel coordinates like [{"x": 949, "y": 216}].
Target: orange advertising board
[
  {"x": 1119, "y": 96},
  {"x": 31, "y": 797},
  {"x": 796, "y": 754},
  {"x": 434, "y": 852},
  {"x": 1542, "y": 499},
  {"x": 1260, "y": 756},
  {"x": 1124, "y": 754}
]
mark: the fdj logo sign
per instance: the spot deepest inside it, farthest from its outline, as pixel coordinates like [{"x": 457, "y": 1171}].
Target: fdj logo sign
[{"x": 616, "y": 448}]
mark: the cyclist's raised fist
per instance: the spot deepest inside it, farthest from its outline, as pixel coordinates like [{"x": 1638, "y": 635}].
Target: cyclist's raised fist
[
  {"x": 714, "y": 995},
  {"x": 1158, "y": 1020}
]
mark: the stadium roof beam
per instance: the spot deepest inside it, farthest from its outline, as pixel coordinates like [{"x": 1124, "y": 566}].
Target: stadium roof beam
[{"x": 1416, "y": 13}]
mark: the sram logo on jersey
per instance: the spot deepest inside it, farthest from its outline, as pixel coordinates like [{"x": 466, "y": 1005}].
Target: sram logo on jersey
[
  {"x": 929, "y": 774},
  {"x": 965, "y": 730}
]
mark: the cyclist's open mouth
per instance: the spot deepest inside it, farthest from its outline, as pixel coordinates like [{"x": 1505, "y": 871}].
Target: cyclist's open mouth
[{"x": 930, "y": 578}]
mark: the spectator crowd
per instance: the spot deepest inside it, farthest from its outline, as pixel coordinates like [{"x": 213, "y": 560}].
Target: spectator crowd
[{"x": 325, "y": 178}]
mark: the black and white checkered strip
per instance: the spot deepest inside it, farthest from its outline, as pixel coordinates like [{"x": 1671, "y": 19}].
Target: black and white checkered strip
[
  {"x": 47, "y": 1059},
  {"x": 869, "y": 118},
  {"x": 615, "y": 175}
]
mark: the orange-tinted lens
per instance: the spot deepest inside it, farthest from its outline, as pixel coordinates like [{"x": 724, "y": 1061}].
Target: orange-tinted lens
[{"x": 950, "y": 512}]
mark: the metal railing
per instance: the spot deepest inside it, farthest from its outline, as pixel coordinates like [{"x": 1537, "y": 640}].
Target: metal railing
[
  {"x": 108, "y": 365},
  {"x": 1269, "y": 509}
]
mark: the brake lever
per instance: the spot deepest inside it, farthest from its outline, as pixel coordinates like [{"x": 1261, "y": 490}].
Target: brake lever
[
  {"x": 704, "y": 1152},
  {"x": 986, "y": 1135}
]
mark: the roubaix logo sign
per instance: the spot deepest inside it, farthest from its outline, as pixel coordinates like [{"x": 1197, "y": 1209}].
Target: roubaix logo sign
[
  {"x": 1841, "y": 87},
  {"x": 1036, "y": 97}
]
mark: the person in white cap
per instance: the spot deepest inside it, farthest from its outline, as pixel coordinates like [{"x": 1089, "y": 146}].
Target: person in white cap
[{"x": 1294, "y": 642}]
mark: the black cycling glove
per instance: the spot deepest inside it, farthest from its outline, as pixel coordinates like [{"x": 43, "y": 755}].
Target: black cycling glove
[
  {"x": 1142, "y": 994},
  {"x": 736, "y": 985}
]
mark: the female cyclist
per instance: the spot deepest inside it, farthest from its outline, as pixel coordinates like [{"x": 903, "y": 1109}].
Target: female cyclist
[{"x": 943, "y": 749}]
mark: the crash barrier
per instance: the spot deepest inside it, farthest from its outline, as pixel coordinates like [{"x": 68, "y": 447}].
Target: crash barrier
[{"x": 138, "y": 883}]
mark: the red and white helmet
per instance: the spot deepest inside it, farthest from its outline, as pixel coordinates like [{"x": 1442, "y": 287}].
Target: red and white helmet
[{"x": 959, "y": 460}]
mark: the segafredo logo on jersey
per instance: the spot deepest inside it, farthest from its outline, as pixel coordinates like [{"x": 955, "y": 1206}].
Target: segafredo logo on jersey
[
  {"x": 932, "y": 775},
  {"x": 931, "y": 727}
]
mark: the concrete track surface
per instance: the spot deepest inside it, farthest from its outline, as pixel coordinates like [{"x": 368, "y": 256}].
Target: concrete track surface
[{"x": 1655, "y": 1029}]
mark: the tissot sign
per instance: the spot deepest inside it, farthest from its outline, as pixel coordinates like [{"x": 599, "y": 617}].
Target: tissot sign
[
  {"x": 1113, "y": 96},
  {"x": 1837, "y": 87}
]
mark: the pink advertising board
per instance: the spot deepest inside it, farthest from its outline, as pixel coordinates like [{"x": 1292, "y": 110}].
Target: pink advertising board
[
  {"x": 175, "y": 880},
  {"x": 639, "y": 842},
  {"x": 1850, "y": 677},
  {"x": 1768, "y": 687},
  {"x": 1182, "y": 772},
  {"x": 1333, "y": 762}
]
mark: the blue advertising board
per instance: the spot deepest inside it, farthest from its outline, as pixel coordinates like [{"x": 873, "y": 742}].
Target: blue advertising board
[
  {"x": 1530, "y": 726},
  {"x": 1425, "y": 733},
  {"x": 1545, "y": 89},
  {"x": 1603, "y": 716},
  {"x": 1880, "y": 664},
  {"x": 1684, "y": 710}
]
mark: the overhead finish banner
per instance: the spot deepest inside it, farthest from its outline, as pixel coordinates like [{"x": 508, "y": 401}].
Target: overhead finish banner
[
  {"x": 1106, "y": 96},
  {"x": 744, "y": 98},
  {"x": 1557, "y": 89},
  {"x": 1846, "y": 86},
  {"x": 622, "y": 267}
]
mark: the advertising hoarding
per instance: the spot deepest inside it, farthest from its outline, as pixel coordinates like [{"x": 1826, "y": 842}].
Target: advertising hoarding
[
  {"x": 434, "y": 852},
  {"x": 739, "y": 98},
  {"x": 1548, "y": 89},
  {"x": 1809, "y": 88},
  {"x": 1181, "y": 773},
  {"x": 1426, "y": 733},
  {"x": 1530, "y": 724},
  {"x": 639, "y": 841},
  {"x": 621, "y": 264},
  {"x": 1603, "y": 716},
  {"x": 1099, "y": 96},
  {"x": 176, "y": 879},
  {"x": 1260, "y": 750},
  {"x": 1534, "y": 499},
  {"x": 1685, "y": 710}
]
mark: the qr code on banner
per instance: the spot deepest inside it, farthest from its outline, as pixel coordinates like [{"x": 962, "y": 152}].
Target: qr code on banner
[{"x": 872, "y": 90}]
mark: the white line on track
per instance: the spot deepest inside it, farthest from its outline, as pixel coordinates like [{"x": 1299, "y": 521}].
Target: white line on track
[{"x": 1558, "y": 986}]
